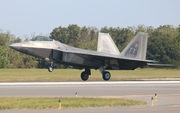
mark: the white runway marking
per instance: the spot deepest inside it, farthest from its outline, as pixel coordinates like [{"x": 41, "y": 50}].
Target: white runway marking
[{"x": 90, "y": 83}]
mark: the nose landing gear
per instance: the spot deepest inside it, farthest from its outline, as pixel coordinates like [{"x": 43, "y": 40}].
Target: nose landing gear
[{"x": 51, "y": 67}]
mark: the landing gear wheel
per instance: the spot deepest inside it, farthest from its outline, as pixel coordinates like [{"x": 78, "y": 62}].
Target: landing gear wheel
[
  {"x": 106, "y": 75},
  {"x": 84, "y": 76},
  {"x": 50, "y": 68}
]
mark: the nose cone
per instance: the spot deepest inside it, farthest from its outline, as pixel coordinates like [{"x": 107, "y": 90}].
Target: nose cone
[{"x": 16, "y": 46}]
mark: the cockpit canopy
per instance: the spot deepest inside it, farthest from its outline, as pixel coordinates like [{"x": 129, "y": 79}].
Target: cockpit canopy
[{"x": 41, "y": 38}]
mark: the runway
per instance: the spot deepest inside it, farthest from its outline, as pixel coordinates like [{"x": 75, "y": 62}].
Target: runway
[{"x": 168, "y": 94}]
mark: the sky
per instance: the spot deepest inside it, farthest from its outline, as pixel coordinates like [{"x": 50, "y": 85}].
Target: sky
[{"x": 27, "y": 17}]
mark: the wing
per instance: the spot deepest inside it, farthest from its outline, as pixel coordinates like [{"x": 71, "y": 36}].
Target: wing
[
  {"x": 133, "y": 55},
  {"x": 114, "y": 62}
]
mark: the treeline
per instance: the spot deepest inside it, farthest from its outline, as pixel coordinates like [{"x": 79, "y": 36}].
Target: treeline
[{"x": 163, "y": 43}]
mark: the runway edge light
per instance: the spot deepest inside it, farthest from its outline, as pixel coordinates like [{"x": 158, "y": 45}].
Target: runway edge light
[
  {"x": 152, "y": 101},
  {"x": 156, "y": 97},
  {"x": 59, "y": 104},
  {"x": 76, "y": 95}
]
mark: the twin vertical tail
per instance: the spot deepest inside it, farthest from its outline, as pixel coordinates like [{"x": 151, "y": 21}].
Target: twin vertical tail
[{"x": 137, "y": 48}]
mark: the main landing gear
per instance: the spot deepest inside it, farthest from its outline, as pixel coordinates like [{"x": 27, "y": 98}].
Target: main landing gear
[
  {"x": 105, "y": 74},
  {"x": 85, "y": 74}
]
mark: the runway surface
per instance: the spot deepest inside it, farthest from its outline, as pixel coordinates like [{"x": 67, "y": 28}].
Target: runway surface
[{"x": 168, "y": 94}]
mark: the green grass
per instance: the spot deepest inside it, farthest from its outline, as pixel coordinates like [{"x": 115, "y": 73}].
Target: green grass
[
  {"x": 38, "y": 75},
  {"x": 49, "y": 103}
]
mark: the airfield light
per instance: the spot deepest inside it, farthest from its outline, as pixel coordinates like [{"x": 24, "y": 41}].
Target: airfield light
[
  {"x": 59, "y": 104},
  {"x": 152, "y": 101},
  {"x": 76, "y": 95},
  {"x": 155, "y": 96}
]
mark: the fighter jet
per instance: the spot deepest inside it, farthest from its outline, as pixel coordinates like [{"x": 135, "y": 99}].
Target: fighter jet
[{"x": 107, "y": 56}]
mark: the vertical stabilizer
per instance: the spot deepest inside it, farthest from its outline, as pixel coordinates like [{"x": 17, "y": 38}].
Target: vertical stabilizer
[
  {"x": 106, "y": 44},
  {"x": 137, "y": 48}
]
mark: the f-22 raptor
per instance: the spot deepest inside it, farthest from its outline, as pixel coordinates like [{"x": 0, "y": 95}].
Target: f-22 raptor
[{"x": 107, "y": 56}]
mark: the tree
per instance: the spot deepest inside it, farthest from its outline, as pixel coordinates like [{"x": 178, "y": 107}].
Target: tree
[
  {"x": 73, "y": 34},
  {"x": 162, "y": 48},
  {"x": 4, "y": 61},
  {"x": 61, "y": 34}
]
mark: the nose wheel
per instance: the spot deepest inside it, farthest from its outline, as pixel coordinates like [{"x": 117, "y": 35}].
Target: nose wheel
[{"x": 51, "y": 67}]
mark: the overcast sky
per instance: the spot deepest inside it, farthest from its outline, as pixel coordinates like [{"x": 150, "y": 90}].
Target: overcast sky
[{"x": 24, "y": 17}]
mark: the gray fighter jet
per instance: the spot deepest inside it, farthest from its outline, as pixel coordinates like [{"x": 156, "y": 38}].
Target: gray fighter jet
[{"x": 107, "y": 56}]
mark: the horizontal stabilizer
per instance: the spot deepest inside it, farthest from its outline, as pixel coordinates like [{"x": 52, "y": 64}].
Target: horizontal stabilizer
[{"x": 160, "y": 65}]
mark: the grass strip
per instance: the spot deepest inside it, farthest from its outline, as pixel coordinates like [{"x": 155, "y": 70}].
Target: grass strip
[
  {"x": 49, "y": 103},
  {"x": 42, "y": 75}
]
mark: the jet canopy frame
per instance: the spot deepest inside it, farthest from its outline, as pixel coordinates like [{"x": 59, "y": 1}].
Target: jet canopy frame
[{"x": 41, "y": 38}]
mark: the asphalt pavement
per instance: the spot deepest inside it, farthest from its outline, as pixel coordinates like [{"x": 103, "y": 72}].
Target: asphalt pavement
[{"x": 168, "y": 93}]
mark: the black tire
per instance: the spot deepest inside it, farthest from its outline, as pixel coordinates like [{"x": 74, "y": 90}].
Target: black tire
[
  {"x": 84, "y": 76},
  {"x": 106, "y": 75},
  {"x": 50, "y": 68}
]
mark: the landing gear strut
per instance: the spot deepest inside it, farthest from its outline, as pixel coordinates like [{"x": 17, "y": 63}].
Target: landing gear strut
[
  {"x": 85, "y": 74},
  {"x": 51, "y": 67}
]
